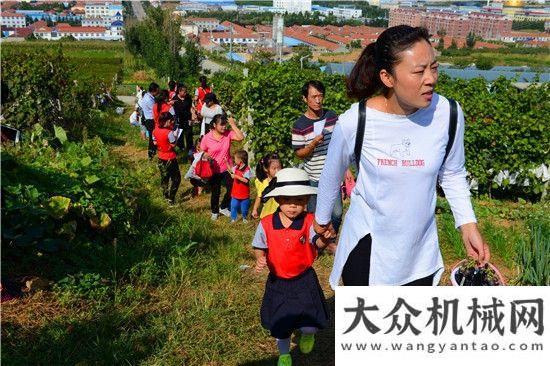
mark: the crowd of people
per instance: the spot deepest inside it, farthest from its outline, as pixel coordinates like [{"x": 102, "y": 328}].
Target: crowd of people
[{"x": 400, "y": 139}]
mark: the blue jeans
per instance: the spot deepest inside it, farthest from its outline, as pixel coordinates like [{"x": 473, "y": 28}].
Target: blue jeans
[
  {"x": 239, "y": 205},
  {"x": 337, "y": 210}
]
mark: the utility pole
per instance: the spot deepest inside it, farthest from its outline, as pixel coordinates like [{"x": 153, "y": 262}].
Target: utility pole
[{"x": 231, "y": 44}]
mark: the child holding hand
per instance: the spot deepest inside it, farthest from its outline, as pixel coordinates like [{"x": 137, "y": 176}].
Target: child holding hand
[{"x": 286, "y": 243}]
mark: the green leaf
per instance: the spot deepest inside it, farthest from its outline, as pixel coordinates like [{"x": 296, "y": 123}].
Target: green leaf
[
  {"x": 58, "y": 206},
  {"x": 60, "y": 134},
  {"x": 91, "y": 179},
  {"x": 104, "y": 221},
  {"x": 86, "y": 161}
]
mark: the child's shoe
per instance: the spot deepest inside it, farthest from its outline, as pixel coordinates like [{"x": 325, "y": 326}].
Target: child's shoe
[
  {"x": 225, "y": 212},
  {"x": 285, "y": 360},
  {"x": 214, "y": 217},
  {"x": 245, "y": 221},
  {"x": 306, "y": 342}
]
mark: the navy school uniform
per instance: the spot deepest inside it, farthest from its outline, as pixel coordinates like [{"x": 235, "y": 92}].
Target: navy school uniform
[{"x": 293, "y": 297}]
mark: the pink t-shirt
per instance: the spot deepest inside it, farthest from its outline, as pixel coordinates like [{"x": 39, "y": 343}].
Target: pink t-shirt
[{"x": 218, "y": 149}]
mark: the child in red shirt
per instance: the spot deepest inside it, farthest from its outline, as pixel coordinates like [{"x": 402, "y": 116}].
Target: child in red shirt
[
  {"x": 240, "y": 190},
  {"x": 286, "y": 243},
  {"x": 165, "y": 140}
]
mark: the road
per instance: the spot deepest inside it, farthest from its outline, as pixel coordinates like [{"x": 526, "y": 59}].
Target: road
[
  {"x": 138, "y": 10},
  {"x": 213, "y": 66}
]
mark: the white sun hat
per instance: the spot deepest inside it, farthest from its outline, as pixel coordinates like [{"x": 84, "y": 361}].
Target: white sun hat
[{"x": 289, "y": 182}]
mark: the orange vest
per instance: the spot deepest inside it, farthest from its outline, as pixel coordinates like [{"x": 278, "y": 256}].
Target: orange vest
[
  {"x": 164, "y": 148},
  {"x": 289, "y": 251}
]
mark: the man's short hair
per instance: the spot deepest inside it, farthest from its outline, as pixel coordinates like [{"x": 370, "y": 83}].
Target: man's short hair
[
  {"x": 314, "y": 83},
  {"x": 153, "y": 87}
]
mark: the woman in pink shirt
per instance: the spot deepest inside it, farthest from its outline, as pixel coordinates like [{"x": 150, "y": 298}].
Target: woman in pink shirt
[{"x": 216, "y": 145}]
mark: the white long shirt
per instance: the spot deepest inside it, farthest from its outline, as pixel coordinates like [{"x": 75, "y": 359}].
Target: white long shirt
[
  {"x": 146, "y": 104},
  {"x": 207, "y": 116},
  {"x": 394, "y": 198}
]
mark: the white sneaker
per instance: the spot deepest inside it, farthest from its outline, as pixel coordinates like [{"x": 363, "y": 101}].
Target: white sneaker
[
  {"x": 233, "y": 221},
  {"x": 245, "y": 221},
  {"x": 214, "y": 217},
  {"x": 225, "y": 212}
]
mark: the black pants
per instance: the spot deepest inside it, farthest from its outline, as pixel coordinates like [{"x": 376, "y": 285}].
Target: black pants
[
  {"x": 185, "y": 141},
  {"x": 216, "y": 182},
  {"x": 170, "y": 178},
  {"x": 357, "y": 268},
  {"x": 150, "y": 126}
]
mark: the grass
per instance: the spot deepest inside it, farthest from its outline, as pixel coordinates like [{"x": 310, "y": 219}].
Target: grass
[
  {"x": 170, "y": 291},
  {"x": 173, "y": 293}
]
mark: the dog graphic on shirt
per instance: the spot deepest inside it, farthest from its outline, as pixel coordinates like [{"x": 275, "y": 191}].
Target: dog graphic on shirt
[{"x": 401, "y": 150}]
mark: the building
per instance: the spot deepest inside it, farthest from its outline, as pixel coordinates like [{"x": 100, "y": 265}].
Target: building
[
  {"x": 293, "y": 6},
  {"x": 112, "y": 33},
  {"x": 455, "y": 24},
  {"x": 102, "y": 9},
  {"x": 204, "y": 24},
  {"x": 339, "y": 12},
  {"x": 13, "y": 20}
]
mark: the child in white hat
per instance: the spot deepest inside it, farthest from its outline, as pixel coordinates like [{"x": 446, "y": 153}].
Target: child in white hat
[{"x": 286, "y": 243}]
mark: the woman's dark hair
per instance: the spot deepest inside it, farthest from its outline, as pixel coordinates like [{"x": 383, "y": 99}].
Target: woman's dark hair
[
  {"x": 164, "y": 117},
  {"x": 210, "y": 97},
  {"x": 263, "y": 165},
  {"x": 314, "y": 83},
  {"x": 364, "y": 80},
  {"x": 202, "y": 80},
  {"x": 171, "y": 85},
  {"x": 243, "y": 155},
  {"x": 218, "y": 118},
  {"x": 163, "y": 97}
]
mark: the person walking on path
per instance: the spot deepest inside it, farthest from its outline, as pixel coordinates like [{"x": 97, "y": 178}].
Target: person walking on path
[
  {"x": 165, "y": 140},
  {"x": 286, "y": 243},
  {"x": 146, "y": 104},
  {"x": 201, "y": 92},
  {"x": 240, "y": 190},
  {"x": 407, "y": 141},
  {"x": 183, "y": 105},
  {"x": 216, "y": 146},
  {"x": 266, "y": 169},
  {"x": 311, "y": 135},
  {"x": 210, "y": 109}
]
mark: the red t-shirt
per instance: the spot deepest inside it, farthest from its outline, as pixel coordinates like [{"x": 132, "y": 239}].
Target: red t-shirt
[
  {"x": 164, "y": 147},
  {"x": 289, "y": 251},
  {"x": 165, "y": 107},
  {"x": 240, "y": 189},
  {"x": 201, "y": 93}
]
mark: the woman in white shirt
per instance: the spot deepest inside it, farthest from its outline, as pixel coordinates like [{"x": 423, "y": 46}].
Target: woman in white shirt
[
  {"x": 389, "y": 236},
  {"x": 209, "y": 109}
]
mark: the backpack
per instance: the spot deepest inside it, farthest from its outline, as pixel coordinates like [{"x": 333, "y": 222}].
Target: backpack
[
  {"x": 361, "y": 131},
  {"x": 204, "y": 169}
]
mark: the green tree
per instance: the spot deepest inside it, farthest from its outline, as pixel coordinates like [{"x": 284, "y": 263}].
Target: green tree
[{"x": 453, "y": 45}]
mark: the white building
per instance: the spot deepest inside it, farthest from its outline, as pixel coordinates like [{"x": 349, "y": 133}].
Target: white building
[
  {"x": 112, "y": 33},
  {"x": 95, "y": 22},
  {"x": 105, "y": 9},
  {"x": 346, "y": 13},
  {"x": 293, "y": 6},
  {"x": 13, "y": 20},
  {"x": 204, "y": 24}
]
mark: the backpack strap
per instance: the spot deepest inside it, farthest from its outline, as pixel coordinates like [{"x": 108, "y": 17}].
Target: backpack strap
[
  {"x": 360, "y": 133},
  {"x": 453, "y": 121}
]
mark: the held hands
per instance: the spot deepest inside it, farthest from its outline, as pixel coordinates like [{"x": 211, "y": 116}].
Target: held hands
[
  {"x": 475, "y": 247},
  {"x": 327, "y": 236}
]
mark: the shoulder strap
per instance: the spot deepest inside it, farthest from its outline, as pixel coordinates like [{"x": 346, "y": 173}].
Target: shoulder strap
[
  {"x": 453, "y": 121},
  {"x": 360, "y": 133}
]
